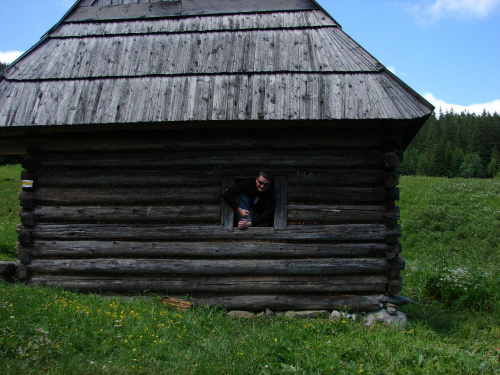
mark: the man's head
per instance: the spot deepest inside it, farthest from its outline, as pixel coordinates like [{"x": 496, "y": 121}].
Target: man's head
[{"x": 263, "y": 180}]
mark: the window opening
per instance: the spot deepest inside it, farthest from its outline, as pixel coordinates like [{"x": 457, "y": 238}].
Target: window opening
[{"x": 228, "y": 216}]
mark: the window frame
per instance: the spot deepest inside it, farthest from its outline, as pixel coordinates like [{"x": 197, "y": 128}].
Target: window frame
[{"x": 280, "y": 212}]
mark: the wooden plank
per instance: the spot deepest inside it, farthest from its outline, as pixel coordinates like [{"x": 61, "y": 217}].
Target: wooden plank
[
  {"x": 273, "y": 20},
  {"x": 97, "y": 109},
  {"x": 134, "y": 214},
  {"x": 151, "y": 232},
  {"x": 280, "y": 302},
  {"x": 232, "y": 249},
  {"x": 316, "y": 266},
  {"x": 340, "y": 213},
  {"x": 126, "y": 11},
  {"x": 204, "y": 7},
  {"x": 184, "y": 8},
  {"x": 224, "y": 284},
  {"x": 121, "y": 195},
  {"x": 338, "y": 177}
]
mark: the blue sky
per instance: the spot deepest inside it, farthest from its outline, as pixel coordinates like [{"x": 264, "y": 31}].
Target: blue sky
[{"x": 446, "y": 50}]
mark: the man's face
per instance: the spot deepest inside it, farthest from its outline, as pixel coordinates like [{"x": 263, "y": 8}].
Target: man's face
[{"x": 262, "y": 184}]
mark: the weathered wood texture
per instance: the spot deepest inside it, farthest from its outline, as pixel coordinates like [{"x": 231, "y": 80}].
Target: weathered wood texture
[
  {"x": 225, "y": 44},
  {"x": 225, "y": 22},
  {"x": 296, "y": 96},
  {"x": 154, "y": 220},
  {"x": 222, "y": 284},
  {"x": 140, "y": 9},
  {"x": 41, "y": 249}
]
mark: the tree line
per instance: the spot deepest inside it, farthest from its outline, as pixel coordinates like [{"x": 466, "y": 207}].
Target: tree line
[
  {"x": 455, "y": 145},
  {"x": 3, "y": 66}
]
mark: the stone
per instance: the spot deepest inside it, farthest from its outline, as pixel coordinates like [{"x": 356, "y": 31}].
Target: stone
[
  {"x": 269, "y": 312},
  {"x": 308, "y": 314},
  {"x": 382, "y": 316},
  {"x": 391, "y": 310},
  {"x": 396, "y": 300},
  {"x": 335, "y": 315},
  {"x": 241, "y": 314}
]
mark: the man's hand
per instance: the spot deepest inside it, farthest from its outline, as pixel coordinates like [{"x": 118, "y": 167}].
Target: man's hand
[
  {"x": 243, "y": 224},
  {"x": 243, "y": 213}
]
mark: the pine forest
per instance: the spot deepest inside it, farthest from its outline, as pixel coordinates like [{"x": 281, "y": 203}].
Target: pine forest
[{"x": 455, "y": 145}]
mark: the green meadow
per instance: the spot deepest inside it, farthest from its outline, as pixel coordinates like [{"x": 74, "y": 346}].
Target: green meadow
[{"x": 451, "y": 245}]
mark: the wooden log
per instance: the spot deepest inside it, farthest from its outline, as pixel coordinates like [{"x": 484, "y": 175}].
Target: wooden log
[
  {"x": 392, "y": 179},
  {"x": 340, "y": 213},
  {"x": 395, "y": 266},
  {"x": 150, "y": 232},
  {"x": 395, "y": 286},
  {"x": 24, "y": 235},
  {"x": 65, "y": 177},
  {"x": 333, "y": 195},
  {"x": 269, "y": 139},
  {"x": 121, "y": 195},
  {"x": 219, "y": 284},
  {"x": 27, "y": 219},
  {"x": 394, "y": 252},
  {"x": 393, "y": 194},
  {"x": 24, "y": 252},
  {"x": 232, "y": 249},
  {"x": 178, "y": 304},
  {"x": 22, "y": 272},
  {"x": 391, "y": 161},
  {"x": 232, "y": 159},
  {"x": 31, "y": 164},
  {"x": 290, "y": 302},
  {"x": 134, "y": 214},
  {"x": 315, "y": 266}
]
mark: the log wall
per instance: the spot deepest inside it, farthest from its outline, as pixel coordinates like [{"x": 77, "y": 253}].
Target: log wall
[{"x": 132, "y": 213}]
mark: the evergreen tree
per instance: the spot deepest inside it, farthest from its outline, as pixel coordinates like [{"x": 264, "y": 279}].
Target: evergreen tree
[
  {"x": 472, "y": 166},
  {"x": 493, "y": 168},
  {"x": 439, "y": 148}
]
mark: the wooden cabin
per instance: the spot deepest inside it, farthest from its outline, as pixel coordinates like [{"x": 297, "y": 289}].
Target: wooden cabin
[{"x": 134, "y": 115}]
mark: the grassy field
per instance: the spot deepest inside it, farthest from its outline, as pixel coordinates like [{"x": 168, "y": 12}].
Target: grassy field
[{"x": 450, "y": 240}]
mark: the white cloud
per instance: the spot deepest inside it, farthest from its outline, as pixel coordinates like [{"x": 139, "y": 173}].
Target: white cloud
[
  {"x": 392, "y": 69},
  {"x": 9, "y": 56},
  {"x": 441, "y": 105},
  {"x": 464, "y": 9}
]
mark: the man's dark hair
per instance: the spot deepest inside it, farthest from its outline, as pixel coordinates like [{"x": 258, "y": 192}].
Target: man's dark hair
[{"x": 268, "y": 175}]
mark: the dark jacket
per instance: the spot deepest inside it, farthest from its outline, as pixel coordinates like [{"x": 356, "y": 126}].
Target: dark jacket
[{"x": 263, "y": 207}]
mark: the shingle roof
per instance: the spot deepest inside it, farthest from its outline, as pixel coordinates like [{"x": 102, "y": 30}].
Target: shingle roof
[{"x": 200, "y": 60}]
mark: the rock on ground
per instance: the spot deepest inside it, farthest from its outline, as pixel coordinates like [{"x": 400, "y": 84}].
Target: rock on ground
[{"x": 394, "y": 319}]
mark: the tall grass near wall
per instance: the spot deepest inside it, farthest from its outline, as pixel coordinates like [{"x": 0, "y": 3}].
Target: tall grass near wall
[{"x": 450, "y": 240}]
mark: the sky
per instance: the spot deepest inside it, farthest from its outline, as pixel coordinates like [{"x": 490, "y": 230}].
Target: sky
[{"x": 446, "y": 50}]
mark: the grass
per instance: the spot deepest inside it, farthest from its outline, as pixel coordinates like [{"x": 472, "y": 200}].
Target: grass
[
  {"x": 447, "y": 224},
  {"x": 10, "y": 184}
]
